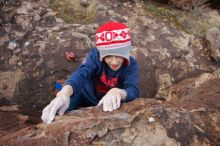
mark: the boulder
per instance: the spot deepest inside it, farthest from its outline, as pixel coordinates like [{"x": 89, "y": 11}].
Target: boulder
[
  {"x": 173, "y": 66},
  {"x": 12, "y": 119},
  {"x": 191, "y": 121},
  {"x": 184, "y": 4},
  {"x": 213, "y": 37}
]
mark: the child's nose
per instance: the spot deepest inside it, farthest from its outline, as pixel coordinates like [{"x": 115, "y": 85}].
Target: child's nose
[{"x": 114, "y": 61}]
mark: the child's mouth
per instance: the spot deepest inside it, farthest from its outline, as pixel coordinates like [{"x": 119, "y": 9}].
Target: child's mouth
[{"x": 114, "y": 66}]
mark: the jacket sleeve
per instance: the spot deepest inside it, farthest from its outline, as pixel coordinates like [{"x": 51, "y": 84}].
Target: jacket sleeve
[
  {"x": 86, "y": 70},
  {"x": 131, "y": 81}
]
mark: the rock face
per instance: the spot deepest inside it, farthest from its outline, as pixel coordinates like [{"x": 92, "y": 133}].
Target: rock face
[
  {"x": 173, "y": 66},
  {"x": 193, "y": 120},
  {"x": 185, "y": 4},
  {"x": 213, "y": 37},
  {"x": 11, "y": 119},
  {"x": 188, "y": 3},
  {"x": 36, "y": 42},
  {"x": 9, "y": 80}
]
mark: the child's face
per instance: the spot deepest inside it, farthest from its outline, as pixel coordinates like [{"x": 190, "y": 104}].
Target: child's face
[{"x": 114, "y": 62}]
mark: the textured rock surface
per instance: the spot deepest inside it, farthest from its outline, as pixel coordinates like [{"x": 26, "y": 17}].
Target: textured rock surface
[
  {"x": 165, "y": 54},
  {"x": 186, "y": 88},
  {"x": 213, "y": 37},
  {"x": 193, "y": 120},
  {"x": 173, "y": 65},
  {"x": 188, "y": 3},
  {"x": 8, "y": 81},
  {"x": 185, "y": 4},
  {"x": 11, "y": 119}
]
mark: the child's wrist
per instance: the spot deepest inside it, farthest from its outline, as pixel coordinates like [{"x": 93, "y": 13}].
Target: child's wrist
[
  {"x": 123, "y": 94},
  {"x": 67, "y": 90}
]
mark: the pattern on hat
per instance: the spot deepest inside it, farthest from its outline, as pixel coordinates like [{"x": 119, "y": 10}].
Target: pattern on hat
[{"x": 113, "y": 38}]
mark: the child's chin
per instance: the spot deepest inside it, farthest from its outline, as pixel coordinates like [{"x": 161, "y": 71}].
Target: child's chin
[{"x": 115, "y": 69}]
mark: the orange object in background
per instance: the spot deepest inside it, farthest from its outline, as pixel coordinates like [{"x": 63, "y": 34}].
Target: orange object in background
[
  {"x": 58, "y": 85},
  {"x": 70, "y": 56}
]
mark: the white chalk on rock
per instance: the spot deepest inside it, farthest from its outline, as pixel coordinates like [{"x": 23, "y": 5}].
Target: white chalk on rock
[
  {"x": 151, "y": 119},
  {"x": 12, "y": 45}
]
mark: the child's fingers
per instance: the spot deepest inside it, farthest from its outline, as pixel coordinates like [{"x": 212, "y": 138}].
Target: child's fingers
[
  {"x": 109, "y": 103},
  {"x": 118, "y": 101},
  {"x": 105, "y": 106},
  {"x": 114, "y": 103},
  {"x": 45, "y": 113},
  {"x": 100, "y": 102},
  {"x": 54, "y": 108},
  {"x": 62, "y": 110}
]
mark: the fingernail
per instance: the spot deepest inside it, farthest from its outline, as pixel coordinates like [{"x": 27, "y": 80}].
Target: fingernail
[
  {"x": 48, "y": 122},
  {"x": 51, "y": 119}
]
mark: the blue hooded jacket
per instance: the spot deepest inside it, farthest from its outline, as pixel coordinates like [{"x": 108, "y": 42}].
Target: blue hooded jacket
[{"x": 95, "y": 78}]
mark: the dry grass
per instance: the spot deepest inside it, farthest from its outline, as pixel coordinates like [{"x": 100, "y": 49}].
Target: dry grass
[
  {"x": 71, "y": 11},
  {"x": 195, "y": 21}
]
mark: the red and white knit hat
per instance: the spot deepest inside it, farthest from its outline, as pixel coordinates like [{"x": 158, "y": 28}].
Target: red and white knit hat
[{"x": 113, "y": 38}]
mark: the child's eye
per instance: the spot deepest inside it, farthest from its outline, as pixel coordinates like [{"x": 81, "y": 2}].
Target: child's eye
[{"x": 109, "y": 56}]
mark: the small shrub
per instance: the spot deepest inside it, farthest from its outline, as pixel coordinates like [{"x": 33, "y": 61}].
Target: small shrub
[
  {"x": 71, "y": 11},
  {"x": 192, "y": 21}
]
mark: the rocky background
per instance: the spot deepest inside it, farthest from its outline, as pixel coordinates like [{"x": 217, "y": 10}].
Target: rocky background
[{"x": 177, "y": 47}]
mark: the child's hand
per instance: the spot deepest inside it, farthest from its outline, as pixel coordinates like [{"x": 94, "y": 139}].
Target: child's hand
[
  {"x": 112, "y": 100},
  {"x": 57, "y": 105},
  {"x": 60, "y": 104}
]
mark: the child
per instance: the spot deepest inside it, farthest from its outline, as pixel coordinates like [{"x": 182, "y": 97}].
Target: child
[{"x": 108, "y": 77}]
